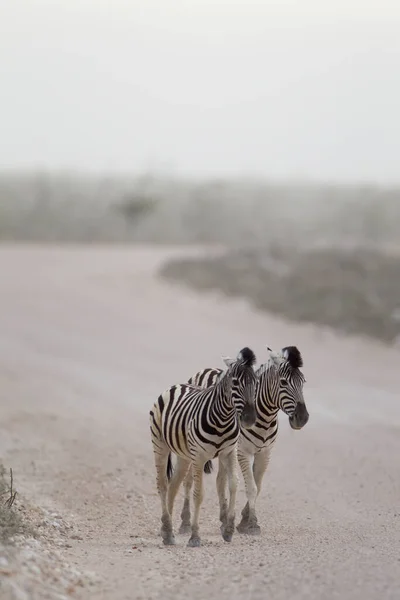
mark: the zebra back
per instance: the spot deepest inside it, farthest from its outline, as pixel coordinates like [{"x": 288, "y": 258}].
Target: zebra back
[
  {"x": 205, "y": 378},
  {"x": 187, "y": 417}
]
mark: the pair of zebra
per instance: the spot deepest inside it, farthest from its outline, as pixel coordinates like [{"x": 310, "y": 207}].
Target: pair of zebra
[{"x": 231, "y": 415}]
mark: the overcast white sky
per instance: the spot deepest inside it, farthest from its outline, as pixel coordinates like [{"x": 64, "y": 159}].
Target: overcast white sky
[{"x": 306, "y": 88}]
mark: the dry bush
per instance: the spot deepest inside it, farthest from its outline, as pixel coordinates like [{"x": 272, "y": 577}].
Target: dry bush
[{"x": 354, "y": 290}]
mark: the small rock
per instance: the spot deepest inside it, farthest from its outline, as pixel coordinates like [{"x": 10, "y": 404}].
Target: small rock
[
  {"x": 35, "y": 570},
  {"x": 28, "y": 555}
]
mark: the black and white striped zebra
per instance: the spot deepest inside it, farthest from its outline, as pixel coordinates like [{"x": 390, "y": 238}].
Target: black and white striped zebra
[
  {"x": 198, "y": 425},
  {"x": 279, "y": 387}
]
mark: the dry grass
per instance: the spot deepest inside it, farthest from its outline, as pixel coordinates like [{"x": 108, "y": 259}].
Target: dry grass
[{"x": 11, "y": 523}]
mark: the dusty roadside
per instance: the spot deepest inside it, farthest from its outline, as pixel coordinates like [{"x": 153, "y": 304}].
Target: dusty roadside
[{"x": 89, "y": 337}]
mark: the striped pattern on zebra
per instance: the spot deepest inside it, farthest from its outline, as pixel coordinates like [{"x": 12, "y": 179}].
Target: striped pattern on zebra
[
  {"x": 279, "y": 387},
  {"x": 197, "y": 425}
]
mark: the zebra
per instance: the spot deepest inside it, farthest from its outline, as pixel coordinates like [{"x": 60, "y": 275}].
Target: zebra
[
  {"x": 279, "y": 386},
  {"x": 198, "y": 425}
]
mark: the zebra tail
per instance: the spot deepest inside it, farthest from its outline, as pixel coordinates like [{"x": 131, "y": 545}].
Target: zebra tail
[
  {"x": 170, "y": 468},
  {"x": 208, "y": 467}
]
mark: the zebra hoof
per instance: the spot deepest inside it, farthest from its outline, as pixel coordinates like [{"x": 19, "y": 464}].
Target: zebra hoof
[
  {"x": 185, "y": 529},
  {"x": 253, "y": 530},
  {"x": 169, "y": 540},
  {"x": 227, "y": 530},
  {"x": 227, "y": 536},
  {"x": 194, "y": 542},
  {"x": 243, "y": 527}
]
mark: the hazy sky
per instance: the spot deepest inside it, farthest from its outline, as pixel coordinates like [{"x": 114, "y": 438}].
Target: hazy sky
[{"x": 306, "y": 88}]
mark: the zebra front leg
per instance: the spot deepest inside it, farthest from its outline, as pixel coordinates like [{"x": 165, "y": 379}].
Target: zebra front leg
[
  {"x": 261, "y": 461},
  {"x": 244, "y": 462},
  {"x": 221, "y": 491},
  {"x": 248, "y": 524},
  {"x": 161, "y": 459},
  {"x": 230, "y": 465},
  {"x": 198, "y": 493},
  {"x": 185, "y": 514}
]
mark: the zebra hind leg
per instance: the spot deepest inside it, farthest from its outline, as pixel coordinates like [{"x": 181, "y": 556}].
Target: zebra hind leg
[
  {"x": 221, "y": 491},
  {"x": 175, "y": 482},
  {"x": 244, "y": 523},
  {"x": 198, "y": 493},
  {"x": 185, "y": 514},
  {"x": 161, "y": 457},
  {"x": 230, "y": 466}
]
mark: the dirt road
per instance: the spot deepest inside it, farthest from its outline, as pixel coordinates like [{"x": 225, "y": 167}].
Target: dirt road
[{"x": 90, "y": 337}]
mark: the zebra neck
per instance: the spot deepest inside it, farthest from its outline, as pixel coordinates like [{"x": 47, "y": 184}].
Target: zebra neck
[
  {"x": 222, "y": 405},
  {"x": 267, "y": 399}
]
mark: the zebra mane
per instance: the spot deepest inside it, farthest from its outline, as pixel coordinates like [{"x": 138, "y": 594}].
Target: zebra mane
[
  {"x": 247, "y": 357},
  {"x": 293, "y": 356},
  {"x": 264, "y": 367},
  {"x": 219, "y": 376}
]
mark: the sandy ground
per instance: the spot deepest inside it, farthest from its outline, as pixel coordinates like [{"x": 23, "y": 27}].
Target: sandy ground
[{"x": 89, "y": 338}]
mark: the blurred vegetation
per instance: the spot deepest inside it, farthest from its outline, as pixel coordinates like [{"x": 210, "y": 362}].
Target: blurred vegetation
[
  {"x": 75, "y": 208},
  {"x": 136, "y": 207},
  {"x": 312, "y": 252},
  {"x": 356, "y": 291}
]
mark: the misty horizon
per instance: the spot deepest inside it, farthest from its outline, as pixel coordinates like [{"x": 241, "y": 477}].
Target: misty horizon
[{"x": 202, "y": 90}]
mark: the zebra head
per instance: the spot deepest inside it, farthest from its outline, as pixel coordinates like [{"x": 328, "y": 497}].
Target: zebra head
[
  {"x": 240, "y": 371},
  {"x": 288, "y": 382}
]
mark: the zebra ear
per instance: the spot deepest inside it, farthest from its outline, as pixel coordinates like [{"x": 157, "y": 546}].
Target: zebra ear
[
  {"x": 228, "y": 361},
  {"x": 275, "y": 357}
]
